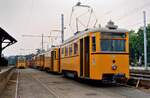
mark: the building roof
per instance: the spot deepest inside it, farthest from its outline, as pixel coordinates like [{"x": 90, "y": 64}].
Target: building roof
[{"x": 6, "y": 36}]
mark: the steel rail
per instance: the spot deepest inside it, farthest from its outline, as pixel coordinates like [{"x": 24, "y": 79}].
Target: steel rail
[
  {"x": 17, "y": 85},
  {"x": 140, "y": 76}
]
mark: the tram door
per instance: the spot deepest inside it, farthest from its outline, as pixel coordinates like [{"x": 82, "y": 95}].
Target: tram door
[
  {"x": 81, "y": 57},
  {"x": 52, "y": 60},
  {"x": 43, "y": 61},
  {"x": 84, "y": 57},
  {"x": 59, "y": 59}
]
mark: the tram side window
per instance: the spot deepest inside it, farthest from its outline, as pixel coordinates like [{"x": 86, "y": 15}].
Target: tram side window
[
  {"x": 75, "y": 48},
  {"x": 93, "y": 43},
  {"x": 62, "y": 51},
  {"x": 70, "y": 50},
  {"x": 66, "y": 52},
  {"x": 55, "y": 54}
]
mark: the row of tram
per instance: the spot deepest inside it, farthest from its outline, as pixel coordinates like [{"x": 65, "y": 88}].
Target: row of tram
[
  {"x": 96, "y": 54},
  {"x": 21, "y": 62}
]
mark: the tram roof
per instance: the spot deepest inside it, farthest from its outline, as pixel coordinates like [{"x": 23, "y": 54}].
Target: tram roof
[
  {"x": 5, "y": 35},
  {"x": 103, "y": 29}
]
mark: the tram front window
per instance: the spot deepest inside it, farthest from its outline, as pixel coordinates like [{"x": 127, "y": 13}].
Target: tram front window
[
  {"x": 113, "y": 42},
  {"x": 113, "y": 45}
]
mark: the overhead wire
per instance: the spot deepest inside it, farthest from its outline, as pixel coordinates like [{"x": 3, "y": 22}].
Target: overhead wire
[
  {"x": 128, "y": 13},
  {"x": 95, "y": 18},
  {"x": 89, "y": 18},
  {"x": 133, "y": 25},
  {"x": 92, "y": 10},
  {"x": 81, "y": 23},
  {"x": 77, "y": 5},
  {"x": 135, "y": 10},
  {"x": 84, "y": 1},
  {"x": 88, "y": 1}
]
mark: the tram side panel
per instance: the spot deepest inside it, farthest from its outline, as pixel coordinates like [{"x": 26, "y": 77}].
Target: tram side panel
[
  {"x": 70, "y": 60},
  {"x": 47, "y": 59},
  {"x": 55, "y": 59},
  {"x": 38, "y": 62}
]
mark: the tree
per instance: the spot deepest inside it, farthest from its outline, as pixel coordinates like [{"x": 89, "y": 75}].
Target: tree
[
  {"x": 136, "y": 42},
  {"x": 133, "y": 44}
]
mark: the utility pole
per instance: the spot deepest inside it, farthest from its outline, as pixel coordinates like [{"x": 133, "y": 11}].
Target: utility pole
[
  {"x": 62, "y": 28},
  {"x": 145, "y": 41},
  {"x": 41, "y": 36}
]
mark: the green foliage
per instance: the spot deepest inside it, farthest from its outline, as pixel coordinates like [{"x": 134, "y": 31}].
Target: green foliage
[{"x": 136, "y": 42}]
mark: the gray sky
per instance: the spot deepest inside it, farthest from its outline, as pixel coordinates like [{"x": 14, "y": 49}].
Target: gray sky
[{"x": 34, "y": 17}]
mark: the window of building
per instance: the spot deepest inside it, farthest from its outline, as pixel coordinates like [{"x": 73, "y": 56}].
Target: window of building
[
  {"x": 75, "y": 48},
  {"x": 93, "y": 43}
]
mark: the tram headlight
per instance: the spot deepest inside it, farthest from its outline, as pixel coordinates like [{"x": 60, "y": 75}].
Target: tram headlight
[{"x": 114, "y": 67}]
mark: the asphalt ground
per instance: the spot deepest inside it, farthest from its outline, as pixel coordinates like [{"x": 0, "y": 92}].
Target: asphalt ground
[{"x": 39, "y": 84}]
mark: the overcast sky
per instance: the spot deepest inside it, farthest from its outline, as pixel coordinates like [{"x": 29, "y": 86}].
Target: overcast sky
[{"x": 34, "y": 17}]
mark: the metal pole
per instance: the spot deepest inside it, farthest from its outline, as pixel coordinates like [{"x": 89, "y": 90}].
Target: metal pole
[
  {"x": 42, "y": 42},
  {"x": 0, "y": 51},
  {"x": 0, "y": 47},
  {"x": 62, "y": 27},
  {"x": 77, "y": 24},
  {"x": 145, "y": 41}
]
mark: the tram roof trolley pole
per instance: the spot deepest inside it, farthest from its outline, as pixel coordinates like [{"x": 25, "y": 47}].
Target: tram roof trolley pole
[{"x": 90, "y": 10}]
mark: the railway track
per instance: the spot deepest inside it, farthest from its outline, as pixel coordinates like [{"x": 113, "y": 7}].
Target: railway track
[
  {"x": 17, "y": 85},
  {"x": 141, "y": 77},
  {"x": 37, "y": 84},
  {"x": 50, "y": 90},
  {"x": 43, "y": 86}
]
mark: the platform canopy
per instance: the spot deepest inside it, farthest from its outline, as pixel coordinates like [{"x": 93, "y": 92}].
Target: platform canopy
[{"x": 5, "y": 39}]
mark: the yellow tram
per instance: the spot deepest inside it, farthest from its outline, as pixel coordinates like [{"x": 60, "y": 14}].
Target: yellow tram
[
  {"x": 47, "y": 60},
  {"x": 52, "y": 60},
  {"x": 55, "y": 59},
  {"x": 98, "y": 54},
  {"x": 21, "y": 62}
]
